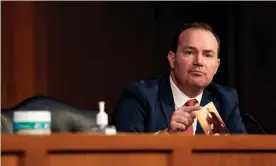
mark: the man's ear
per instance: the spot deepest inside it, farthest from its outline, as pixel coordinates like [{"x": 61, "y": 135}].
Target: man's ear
[
  {"x": 218, "y": 63},
  {"x": 171, "y": 59}
]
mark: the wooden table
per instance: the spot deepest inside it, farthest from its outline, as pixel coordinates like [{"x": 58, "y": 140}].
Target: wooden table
[{"x": 138, "y": 150}]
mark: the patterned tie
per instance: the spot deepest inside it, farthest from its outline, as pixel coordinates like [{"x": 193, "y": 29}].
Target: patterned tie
[{"x": 190, "y": 102}]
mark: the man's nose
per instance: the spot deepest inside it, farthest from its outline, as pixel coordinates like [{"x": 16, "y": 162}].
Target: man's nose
[{"x": 198, "y": 59}]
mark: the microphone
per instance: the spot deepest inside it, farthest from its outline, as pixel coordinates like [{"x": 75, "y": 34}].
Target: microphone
[{"x": 258, "y": 124}]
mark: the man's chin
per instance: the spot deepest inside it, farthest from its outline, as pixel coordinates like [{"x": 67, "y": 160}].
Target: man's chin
[{"x": 198, "y": 83}]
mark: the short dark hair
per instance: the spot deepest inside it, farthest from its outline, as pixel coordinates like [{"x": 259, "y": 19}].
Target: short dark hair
[{"x": 194, "y": 25}]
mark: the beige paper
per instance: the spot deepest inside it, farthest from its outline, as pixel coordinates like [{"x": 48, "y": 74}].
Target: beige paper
[{"x": 210, "y": 120}]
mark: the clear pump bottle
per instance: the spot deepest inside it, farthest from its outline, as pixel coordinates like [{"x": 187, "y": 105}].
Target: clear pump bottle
[{"x": 102, "y": 118}]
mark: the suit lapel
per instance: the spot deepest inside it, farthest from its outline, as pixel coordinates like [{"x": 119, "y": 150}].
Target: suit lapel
[{"x": 166, "y": 98}]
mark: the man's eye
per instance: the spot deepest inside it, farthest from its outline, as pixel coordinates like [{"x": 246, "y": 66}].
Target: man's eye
[
  {"x": 209, "y": 55},
  {"x": 188, "y": 52}
]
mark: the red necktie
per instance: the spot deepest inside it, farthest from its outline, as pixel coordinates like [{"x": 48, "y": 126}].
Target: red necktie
[{"x": 189, "y": 130}]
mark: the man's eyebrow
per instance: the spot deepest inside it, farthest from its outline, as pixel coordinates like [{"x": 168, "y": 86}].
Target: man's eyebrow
[
  {"x": 190, "y": 47},
  {"x": 193, "y": 48},
  {"x": 208, "y": 51}
]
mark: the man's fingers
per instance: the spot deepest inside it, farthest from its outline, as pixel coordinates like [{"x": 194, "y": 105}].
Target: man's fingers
[
  {"x": 176, "y": 127},
  {"x": 190, "y": 109},
  {"x": 187, "y": 121},
  {"x": 191, "y": 120},
  {"x": 193, "y": 115},
  {"x": 183, "y": 118},
  {"x": 182, "y": 113}
]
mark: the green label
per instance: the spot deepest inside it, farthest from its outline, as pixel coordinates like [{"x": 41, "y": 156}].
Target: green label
[{"x": 17, "y": 126}]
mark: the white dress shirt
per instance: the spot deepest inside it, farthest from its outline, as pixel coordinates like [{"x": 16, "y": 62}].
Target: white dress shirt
[{"x": 180, "y": 99}]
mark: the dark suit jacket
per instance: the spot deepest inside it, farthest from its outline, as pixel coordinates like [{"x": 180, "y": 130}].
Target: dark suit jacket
[{"x": 147, "y": 106}]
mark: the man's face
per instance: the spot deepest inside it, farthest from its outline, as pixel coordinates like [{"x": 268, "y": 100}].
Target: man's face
[{"x": 196, "y": 59}]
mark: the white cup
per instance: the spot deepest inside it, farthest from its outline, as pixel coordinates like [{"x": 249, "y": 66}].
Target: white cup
[{"x": 32, "y": 122}]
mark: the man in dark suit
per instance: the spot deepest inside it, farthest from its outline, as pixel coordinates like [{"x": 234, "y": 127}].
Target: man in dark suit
[{"x": 166, "y": 103}]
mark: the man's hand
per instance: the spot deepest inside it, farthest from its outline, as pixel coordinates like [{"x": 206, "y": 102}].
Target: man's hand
[{"x": 182, "y": 118}]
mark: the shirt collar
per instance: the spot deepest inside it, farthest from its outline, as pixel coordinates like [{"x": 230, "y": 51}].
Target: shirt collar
[{"x": 179, "y": 97}]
